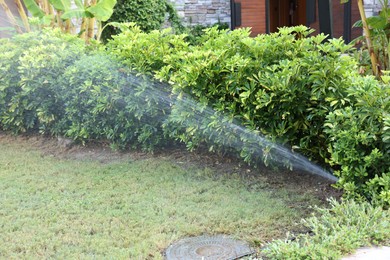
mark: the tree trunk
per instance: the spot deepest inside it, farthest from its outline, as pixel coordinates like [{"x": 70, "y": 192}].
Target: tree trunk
[
  {"x": 23, "y": 15},
  {"x": 91, "y": 25},
  {"x": 366, "y": 30},
  {"x": 10, "y": 16},
  {"x": 84, "y": 24}
]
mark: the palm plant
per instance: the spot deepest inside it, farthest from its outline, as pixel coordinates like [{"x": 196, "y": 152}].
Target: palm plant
[
  {"x": 71, "y": 16},
  {"x": 377, "y": 36},
  {"x": 11, "y": 16}
]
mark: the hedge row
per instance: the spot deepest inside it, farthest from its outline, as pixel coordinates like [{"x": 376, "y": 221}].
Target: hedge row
[
  {"x": 281, "y": 84},
  {"x": 53, "y": 84},
  {"x": 292, "y": 88}
]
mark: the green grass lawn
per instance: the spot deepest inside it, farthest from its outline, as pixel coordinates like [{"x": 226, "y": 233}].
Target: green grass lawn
[{"x": 62, "y": 208}]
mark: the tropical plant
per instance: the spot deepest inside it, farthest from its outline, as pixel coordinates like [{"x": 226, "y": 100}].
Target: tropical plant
[
  {"x": 379, "y": 26},
  {"x": 70, "y": 16},
  {"x": 12, "y": 19},
  {"x": 377, "y": 36}
]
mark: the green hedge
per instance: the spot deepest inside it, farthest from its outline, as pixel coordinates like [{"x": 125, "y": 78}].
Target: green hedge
[
  {"x": 148, "y": 14},
  {"x": 360, "y": 141},
  {"x": 52, "y": 84},
  {"x": 281, "y": 84},
  {"x": 287, "y": 86},
  {"x": 103, "y": 102},
  {"x": 29, "y": 68},
  {"x": 229, "y": 91}
]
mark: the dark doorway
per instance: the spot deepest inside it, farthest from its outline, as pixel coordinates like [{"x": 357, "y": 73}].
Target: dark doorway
[{"x": 286, "y": 13}]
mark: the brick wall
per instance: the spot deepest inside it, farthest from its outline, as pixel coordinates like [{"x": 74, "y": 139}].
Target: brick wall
[
  {"x": 338, "y": 19},
  {"x": 253, "y": 13}
]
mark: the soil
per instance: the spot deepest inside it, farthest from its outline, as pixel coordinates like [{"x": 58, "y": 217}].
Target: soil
[{"x": 261, "y": 176}]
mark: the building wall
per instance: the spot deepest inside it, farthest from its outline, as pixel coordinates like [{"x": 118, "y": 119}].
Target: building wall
[
  {"x": 338, "y": 19},
  {"x": 209, "y": 12},
  {"x": 205, "y": 12},
  {"x": 372, "y": 7},
  {"x": 253, "y": 13}
]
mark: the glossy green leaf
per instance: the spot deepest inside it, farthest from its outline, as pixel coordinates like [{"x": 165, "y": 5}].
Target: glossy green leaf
[
  {"x": 76, "y": 13},
  {"x": 377, "y": 22},
  {"x": 79, "y": 3},
  {"x": 33, "y": 8},
  {"x": 358, "y": 24},
  {"x": 61, "y": 5},
  {"x": 103, "y": 9}
]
